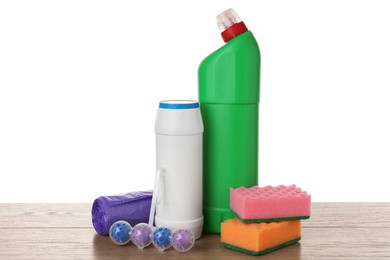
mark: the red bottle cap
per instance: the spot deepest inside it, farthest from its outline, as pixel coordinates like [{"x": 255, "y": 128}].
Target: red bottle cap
[{"x": 230, "y": 24}]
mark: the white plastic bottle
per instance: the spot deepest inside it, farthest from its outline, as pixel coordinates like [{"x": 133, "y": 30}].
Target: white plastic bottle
[{"x": 179, "y": 131}]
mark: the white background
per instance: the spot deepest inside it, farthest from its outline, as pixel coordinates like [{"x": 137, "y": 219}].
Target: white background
[{"x": 80, "y": 83}]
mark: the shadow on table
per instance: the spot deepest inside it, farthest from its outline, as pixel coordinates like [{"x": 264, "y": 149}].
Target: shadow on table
[
  {"x": 104, "y": 248},
  {"x": 292, "y": 252},
  {"x": 208, "y": 247}
]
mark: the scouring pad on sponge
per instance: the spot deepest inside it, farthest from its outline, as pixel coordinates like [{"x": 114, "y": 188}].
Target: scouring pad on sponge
[
  {"x": 270, "y": 203},
  {"x": 259, "y": 238}
]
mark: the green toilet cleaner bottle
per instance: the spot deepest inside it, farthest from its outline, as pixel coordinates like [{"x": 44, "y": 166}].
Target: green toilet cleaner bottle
[{"x": 229, "y": 93}]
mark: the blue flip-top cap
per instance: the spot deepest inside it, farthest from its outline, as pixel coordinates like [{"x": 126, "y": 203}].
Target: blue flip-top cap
[{"x": 179, "y": 104}]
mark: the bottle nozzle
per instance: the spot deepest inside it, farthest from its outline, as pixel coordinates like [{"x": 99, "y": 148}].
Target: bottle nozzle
[{"x": 230, "y": 24}]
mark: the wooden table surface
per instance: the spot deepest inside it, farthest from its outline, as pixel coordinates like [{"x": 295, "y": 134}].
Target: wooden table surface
[{"x": 64, "y": 231}]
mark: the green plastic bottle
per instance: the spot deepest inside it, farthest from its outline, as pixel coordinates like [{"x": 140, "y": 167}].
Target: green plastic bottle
[{"x": 229, "y": 92}]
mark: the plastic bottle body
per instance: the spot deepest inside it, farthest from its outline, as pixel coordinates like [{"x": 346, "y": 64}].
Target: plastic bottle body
[
  {"x": 229, "y": 94},
  {"x": 179, "y": 154}
]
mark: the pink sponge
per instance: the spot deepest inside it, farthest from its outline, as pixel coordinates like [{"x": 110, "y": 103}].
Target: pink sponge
[{"x": 267, "y": 204}]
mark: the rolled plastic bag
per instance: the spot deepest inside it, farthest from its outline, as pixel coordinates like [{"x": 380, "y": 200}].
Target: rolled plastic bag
[{"x": 133, "y": 207}]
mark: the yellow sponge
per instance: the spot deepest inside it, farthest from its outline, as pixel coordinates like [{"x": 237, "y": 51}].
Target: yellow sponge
[{"x": 259, "y": 238}]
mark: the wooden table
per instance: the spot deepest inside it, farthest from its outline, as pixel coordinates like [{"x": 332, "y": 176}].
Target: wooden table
[{"x": 64, "y": 231}]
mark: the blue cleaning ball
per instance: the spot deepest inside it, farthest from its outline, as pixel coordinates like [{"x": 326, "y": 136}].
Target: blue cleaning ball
[
  {"x": 162, "y": 238},
  {"x": 120, "y": 232}
]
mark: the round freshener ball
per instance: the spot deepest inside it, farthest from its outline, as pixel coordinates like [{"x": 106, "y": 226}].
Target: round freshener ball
[
  {"x": 120, "y": 232},
  {"x": 162, "y": 238},
  {"x": 142, "y": 235},
  {"x": 183, "y": 240}
]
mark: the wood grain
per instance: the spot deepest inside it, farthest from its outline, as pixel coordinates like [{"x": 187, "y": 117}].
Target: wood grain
[{"x": 64, "y": 231}]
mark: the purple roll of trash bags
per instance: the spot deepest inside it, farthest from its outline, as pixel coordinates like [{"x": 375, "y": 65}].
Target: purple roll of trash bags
[{"x": 133, "y": 207}]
